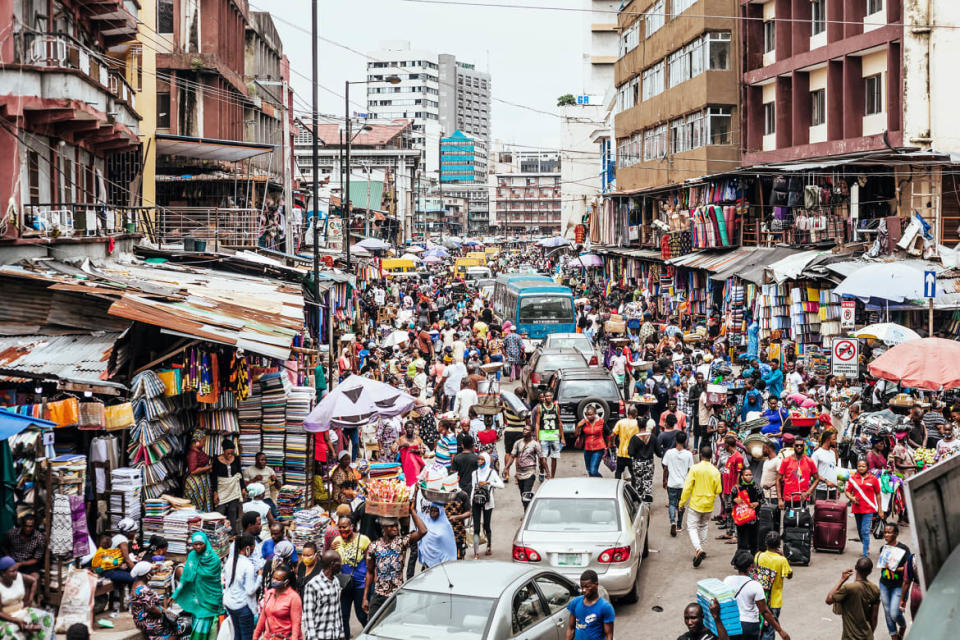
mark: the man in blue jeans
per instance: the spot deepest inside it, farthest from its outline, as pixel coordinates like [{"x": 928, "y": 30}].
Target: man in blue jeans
[
  {"x": 676, "y": 463},
  {"x": 892, "y": 562}
]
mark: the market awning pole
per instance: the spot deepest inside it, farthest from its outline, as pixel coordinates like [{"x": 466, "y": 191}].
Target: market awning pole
[{"x": 930, "y": 320}]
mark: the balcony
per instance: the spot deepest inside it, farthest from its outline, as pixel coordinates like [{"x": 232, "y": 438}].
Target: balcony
[
  {"x": 218, "y": 227},
  {"x": 77, "y": 220},
  {"x": 56, "y": 83}
]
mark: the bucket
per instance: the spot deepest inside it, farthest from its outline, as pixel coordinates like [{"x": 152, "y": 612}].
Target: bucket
[{"x": 189, "y": 244}]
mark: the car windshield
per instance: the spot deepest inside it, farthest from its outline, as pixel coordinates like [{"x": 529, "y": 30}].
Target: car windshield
[
  {"x": 420, "y": 614},
  {"x": 560, "y": 361},
  {"x": 570, "y": 342},
  {"x": 573, "y": 514},
  {"x": 603, "y": 388},
  {"x": 546, "y": 308}
]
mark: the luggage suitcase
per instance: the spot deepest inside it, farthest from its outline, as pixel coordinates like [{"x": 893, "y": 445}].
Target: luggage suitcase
[
  {"x": 796, "y": 545},
  {"x": 768, "y": 519},
  {"x": 830, "y": 525},
  {"x": 797, "y": 517}
]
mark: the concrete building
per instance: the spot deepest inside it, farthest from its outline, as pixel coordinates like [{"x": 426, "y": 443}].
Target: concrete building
[
  {"x": 478, "y": 198},
  {"x": 438, "y": 93},
  {"x": 525, "y": 198},
  {"x": 463, "y": 159},
  {"x": 68, "y": 122},
  {"x": 600, "y": 45}
]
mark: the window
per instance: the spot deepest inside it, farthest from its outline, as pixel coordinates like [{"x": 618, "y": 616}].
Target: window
[
  {"x": 718, "y": 50},
  {"x": 719, "y": 120},
  {"x": 33, "y": 176},
  {"x": 654, "y": 18},
  {"x": 555, "y": 593},
  {"x": 873, "y": 6},
  {"x": 818, "y": 107},
  {"x": 164, "y": 16},
  {"x": 163, "y": 110},
  {"x": 769, "y": 118},
  {"x": 679, "y": 139},
  {"x": 873, "y": 94},
  {"x": 679, "y": 6},
  {"x": 678, "y": 67},
  {"x": 653, "y": 81},
  {"x": 694, "y": 52},
  {"x": 694, "y": 126},
  {"x": 630, "y": 38},
  {"x": 769, "y": 36},
  {"x": 818, "y": 16}
]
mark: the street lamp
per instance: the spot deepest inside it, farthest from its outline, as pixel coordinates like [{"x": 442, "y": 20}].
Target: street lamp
[{"x": 393, "y": 79}]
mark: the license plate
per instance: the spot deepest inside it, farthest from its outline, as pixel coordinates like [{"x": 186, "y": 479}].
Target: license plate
[{"x": 568, "y": 560}]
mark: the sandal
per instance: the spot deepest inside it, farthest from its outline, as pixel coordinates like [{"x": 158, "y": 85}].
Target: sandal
[{"x": 488, "y": 552}]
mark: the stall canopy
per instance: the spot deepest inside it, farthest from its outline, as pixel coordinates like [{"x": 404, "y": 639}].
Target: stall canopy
[
  {"x": 893, "y": 281},
  {"x": 209, "y": 148},
  {"x": 355, "y": 402},
  {"x": 792, "y": 266},
  {"x": 74, "y": 361}
]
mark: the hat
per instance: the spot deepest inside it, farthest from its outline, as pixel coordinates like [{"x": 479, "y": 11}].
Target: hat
[
  {"x": 142, "y": 568},
  {"x": 707, "y": 357},
  {"x": 255, "y": 489},
  {"x": 788, "y": 439},
  {"x": 127, "y": 525},
  {"x": 651, "y": 424},
  {"x": 343, "y": 454},
  {"x": 389, "y": 522},
  {"x": 6, "y": 562}
]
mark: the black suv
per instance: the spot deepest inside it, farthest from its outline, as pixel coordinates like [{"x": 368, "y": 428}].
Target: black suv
[{"x": 576, "y": 389}]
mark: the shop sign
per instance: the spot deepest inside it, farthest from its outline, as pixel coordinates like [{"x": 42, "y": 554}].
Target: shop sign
[
  {"x": 848, "y": 311},
  {"x": 845, "y": 357}
]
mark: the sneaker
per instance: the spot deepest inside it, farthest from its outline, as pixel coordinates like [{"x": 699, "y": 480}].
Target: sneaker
[
  {"x": 673, "y": 530},
  {"x": 697, "y": 559}
]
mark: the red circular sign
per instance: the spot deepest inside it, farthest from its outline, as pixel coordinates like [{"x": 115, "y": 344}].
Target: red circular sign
[{"x": 845, "y": 350}]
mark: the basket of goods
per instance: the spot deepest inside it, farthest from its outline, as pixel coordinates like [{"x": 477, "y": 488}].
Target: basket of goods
[
  {"x": 437, "y": 486},
  {"x": 615, "y": 324},
  {"x": 754, "y": 445},
  {"x": 388, "y": 497},
  {"x": 925, "y": 457},
  {"x": 647, "y": 400},
  {"x": 903, "y": 401},
  {"x": 801, "y": 419}
]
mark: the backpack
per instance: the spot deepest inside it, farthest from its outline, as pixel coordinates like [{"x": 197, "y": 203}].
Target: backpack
[{"x": 661, "y": 391}]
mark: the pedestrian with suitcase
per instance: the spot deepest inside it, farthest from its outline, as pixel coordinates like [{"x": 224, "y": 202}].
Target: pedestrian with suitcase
[
  {"x": 826, "y": 459},
  {"x": 830, "y": 523},
  {"x": 863, "y": 492},
  {"x": 796, "y": 475}
]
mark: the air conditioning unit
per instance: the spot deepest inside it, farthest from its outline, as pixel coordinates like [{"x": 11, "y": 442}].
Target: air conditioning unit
[{"x": 85, "y": 222}]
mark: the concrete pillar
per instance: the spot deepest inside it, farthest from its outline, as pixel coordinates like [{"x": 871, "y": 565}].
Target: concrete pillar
[
  {"x": 800, "y": 27},
  {"x": 853, "y": 13},
  {"x": 801, "y": 108},
  {"x": 784, "y": 113},
  {"x": 852, "y": 97},
  {"x": 894, "y": 89},
  {"x": 783, "y": 29},
  {"x": 835, "y": 100}
]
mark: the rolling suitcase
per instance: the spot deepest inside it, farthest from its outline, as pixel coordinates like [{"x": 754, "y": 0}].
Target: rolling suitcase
[
  {"x": 797, "y": 534},
  {"x": 768, "y": 519},
  {"x": 830, "y": 525}
]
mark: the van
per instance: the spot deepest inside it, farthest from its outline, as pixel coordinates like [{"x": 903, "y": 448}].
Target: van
[
  {"x": 460, "y": 266},
  {"x": 397, "y": 265},
  {"x": 479, "y": 255}
]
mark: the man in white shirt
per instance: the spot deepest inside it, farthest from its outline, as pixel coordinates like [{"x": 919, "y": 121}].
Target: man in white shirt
[
  {"x": 459, "y": 346},
  {"x": 676, "y": 463},
  {"x": 795, "y": 379},
  {"x": 465, "y": 399},
  {"x": 452, "y": 376},
  {"x": 826, "y": 459},
  {"x": 751, "y": 600},
  {"x": 379, "y": 296}
]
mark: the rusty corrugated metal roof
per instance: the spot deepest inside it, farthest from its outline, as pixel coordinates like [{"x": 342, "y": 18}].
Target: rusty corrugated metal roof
[{"x": 80, "y": 359}]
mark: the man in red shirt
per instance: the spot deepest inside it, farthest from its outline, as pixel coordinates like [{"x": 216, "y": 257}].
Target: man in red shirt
[
  {"x": 424, "y": 343},
  {"x": 672, "y": 408},
  {"x": 730, "y": 482},
  {"x": 795, "y": 475}
]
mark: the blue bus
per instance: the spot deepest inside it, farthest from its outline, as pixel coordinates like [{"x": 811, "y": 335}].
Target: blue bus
[{"x": 535, "y": 304}]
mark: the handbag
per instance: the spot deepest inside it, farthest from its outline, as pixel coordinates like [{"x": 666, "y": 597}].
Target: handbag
[
  {"x": 743, "y": 513},
  {"x": 346, "y": 579},
  {"x": 609, "y": 461},
  {"x": 764, "y": 575},
  {"x": 877, "y": 527},
  {"x": 92, "y": 415}
]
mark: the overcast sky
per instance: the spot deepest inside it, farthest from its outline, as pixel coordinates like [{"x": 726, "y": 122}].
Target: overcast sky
[{"x": 532, "y": 56}]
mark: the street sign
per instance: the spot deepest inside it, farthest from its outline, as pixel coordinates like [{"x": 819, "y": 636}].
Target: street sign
[
  {"x": 848, "y": 311},
  {"x": 929, "y": 284},
  {"x": 845, "y": 357}
]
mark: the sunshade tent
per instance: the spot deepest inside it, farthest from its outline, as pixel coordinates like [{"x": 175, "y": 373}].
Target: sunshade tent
[
  {"x": 889, "y": 333},
  {"x": 372, "y": 244},
  {"x": 927, "y": 363},
  {"x": 431, "y": 259},
  {"x": 555, "y": 241},
  {"x": 893, "y": 281},
  {"x": 410, "y": 256},
  {"x": 10, "y": 425},
  {"x": 437, "y": 252},
  {"x": 355, "y": 402},
  {"x": 414, "y": 249},
  {"x": 588, "y": 260},
  {"x": 450, "y": 244},
  {"x": 395, "y": 338}
]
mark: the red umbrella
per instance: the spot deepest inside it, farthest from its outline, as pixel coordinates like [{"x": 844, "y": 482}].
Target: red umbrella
[{"x": 928, "y": 363}]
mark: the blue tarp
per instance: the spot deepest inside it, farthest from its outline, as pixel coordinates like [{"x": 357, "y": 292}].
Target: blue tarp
[{"x": 13, "y": 423}]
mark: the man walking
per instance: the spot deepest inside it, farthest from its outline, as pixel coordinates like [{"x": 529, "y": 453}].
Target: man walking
[
  {"x": 385, "y": 560},
  {"x": 676, "y": 463},
  {"x": 548, "y": 430},
  {"x": 528, "y": 455},
  {"x": 796, "y": 475},
  {"x": 322, "y": 617},
  {"x": 775, "y": 561},
  {"x": 857, "y": 604},
  {"x": 701, "y": 488},
  {"x": 591, "y": 617}
]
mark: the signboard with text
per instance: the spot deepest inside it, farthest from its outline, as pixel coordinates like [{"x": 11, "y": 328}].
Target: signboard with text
[
  {"x": 848, "y": 314},
  {"x": 845, "y": 357}
]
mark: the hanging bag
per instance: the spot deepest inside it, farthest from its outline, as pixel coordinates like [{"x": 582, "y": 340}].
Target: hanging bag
[{"x": 743, "y": 513}]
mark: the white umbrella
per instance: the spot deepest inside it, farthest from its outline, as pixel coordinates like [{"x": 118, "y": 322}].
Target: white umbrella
[
  {"x": 893, "y": 281},
  {"x": 889, "y": 333},
  {"x": 355, "y": 402},
  {"x": 410, "y": 256},
  {"x": 395, "y": 338},
  {"x": 414, "y": 249},
  {"x": 372, "y": 244}
]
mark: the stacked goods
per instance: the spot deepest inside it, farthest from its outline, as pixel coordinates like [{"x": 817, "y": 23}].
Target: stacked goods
[
  {"x": 308, "y": 526},
  {"x": 385, "y": 471},
  {"x": 217, "y": 530},
  {"x": 161, "y": 578},
  {"x": 436, "y": 485},
  {"x": 273, "y": 403},
  {"x": 289, "y": 500},
  {"x": 387, "y": 497},
  {"x": 925, "y": 457},
  {"x": 154, "y": 443},
  {"x": 176, "y": 529},
  {"x": 710, "y": 589},
  {"x": 154, "y": 510},
  {"x": 299, "y": 403},
  {"x": 248, "y": 419},
  {"x": 125, "y": 504}
]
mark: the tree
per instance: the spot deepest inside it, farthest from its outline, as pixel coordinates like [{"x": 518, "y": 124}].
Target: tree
[{"x": 566, "y": 99}]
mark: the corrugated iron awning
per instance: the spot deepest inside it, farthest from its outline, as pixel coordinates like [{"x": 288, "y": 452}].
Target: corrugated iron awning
[
  {"x": 209, "y": 148},
  {"x": 77, "y": 359}
]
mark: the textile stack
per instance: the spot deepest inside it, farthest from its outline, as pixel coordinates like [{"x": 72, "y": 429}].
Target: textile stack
[
  {"x": 736, "y": 304},
  {"x": 154, "y": 511},
  {"x": 218, "y": 420},
  {"x": 299, "y": 403},
  {"x": 176, "y": 529},
  {"x": 274, "y": 402},
  {"x": 289, "y": 500},
  {"x": 127, "y": 488},
  {"x": 829, "y": 315},
  {"x": 154, "y": 445},
  {"x": 217, "y": 529},
  {"x": 161, "y": 578},
  {"x": 248, "y": 418},
  {"x": 308, "y": 526}
]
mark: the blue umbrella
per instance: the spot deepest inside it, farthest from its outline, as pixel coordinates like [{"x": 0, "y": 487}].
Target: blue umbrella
[
  {"x": 439, "y": 252},
  {"x": 471, "y": 243}
]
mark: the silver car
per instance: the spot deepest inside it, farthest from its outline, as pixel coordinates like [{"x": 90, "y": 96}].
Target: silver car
[
  {"x": 476, "y": 601},
  {"x": 575, "y": 524},
  {"x": 577, "y": 341}
]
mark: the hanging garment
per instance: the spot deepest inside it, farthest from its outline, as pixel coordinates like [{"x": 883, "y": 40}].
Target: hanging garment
[
  {"x": 721, "y": 225},
  {"x": 61, "y": 527},
  {"x": 81, "y": 538}
]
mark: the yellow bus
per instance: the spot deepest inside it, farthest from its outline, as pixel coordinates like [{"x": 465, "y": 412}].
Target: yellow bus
[
  {"x": 480, "y": 255},
  {"x": 460, "y": 266},
  {"x": 398, "y": 265}
]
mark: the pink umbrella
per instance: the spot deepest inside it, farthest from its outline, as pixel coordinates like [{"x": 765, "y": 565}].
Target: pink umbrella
[
  {"x": 927, "y": 363},
  {"x": 432, "y": 260}
]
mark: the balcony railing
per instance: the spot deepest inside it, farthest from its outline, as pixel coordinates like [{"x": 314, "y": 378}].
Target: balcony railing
[
  {"x": 216, "y": 226},
  {"x": 60, "y": 51},
  {"x": 77, "y": 219}
]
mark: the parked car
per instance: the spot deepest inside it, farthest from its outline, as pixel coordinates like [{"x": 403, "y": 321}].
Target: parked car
[
  {"x": 477, "y": 601},
  {"x": 576, "y": 341},
  {"x": 576, "y": 389},
  {"x": 536, "y": 374},
  {"x": 575, "y": 524}
]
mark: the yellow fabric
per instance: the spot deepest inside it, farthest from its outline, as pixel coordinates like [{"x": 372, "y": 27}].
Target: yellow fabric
[
  {"x": 777, "y": 563},
  {"x": 625, "y": 429},
  {"x": 701, "y": 487},
  {"x": 119, "y": 416}
]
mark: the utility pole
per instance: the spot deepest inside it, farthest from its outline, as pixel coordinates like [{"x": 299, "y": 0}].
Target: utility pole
[
  {"x": 443, "y": 209},
  {"x": 287, "y": 177},
  {"x": 346, "y": 152},
  {"x": 316, "y": 162}
]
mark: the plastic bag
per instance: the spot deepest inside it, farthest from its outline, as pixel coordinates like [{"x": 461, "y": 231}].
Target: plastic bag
[{"x": 76, "y": 602}]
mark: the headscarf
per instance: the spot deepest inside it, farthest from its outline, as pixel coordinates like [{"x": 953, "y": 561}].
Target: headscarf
[
  {"x": 282, "y": 552},
  {"x": 142, "y": 568},
  {"x": 200, "y": 592},
  {"x": 440, "y": 543},
  {"x": 6, "y": 562},
  {"x": 126, "y": 525},
  {"x": 255, "y": 489}
]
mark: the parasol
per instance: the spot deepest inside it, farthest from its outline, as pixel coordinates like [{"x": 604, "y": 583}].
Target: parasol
[
  {"x": 395, "y": 338},
  {"x": 555, "y": 241},
  {"x": 889, "y": 333},
  {"x": 925, "y": 363},
  {"x": 410, "y": 256},
  {"x": 355, "y": 402}
]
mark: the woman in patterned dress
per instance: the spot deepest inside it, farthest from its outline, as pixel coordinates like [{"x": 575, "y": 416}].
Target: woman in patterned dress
[
  {"x": 146, "y": 606},
  {"x": 18, "y": 620},
  {"x": 196, "y": 488}
]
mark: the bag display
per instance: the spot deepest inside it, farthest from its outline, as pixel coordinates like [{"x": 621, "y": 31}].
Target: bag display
[
  {"x": 92, "y": 415},
  {"x": 66, "y": 413},
  {"x": 119, "y": 416}
]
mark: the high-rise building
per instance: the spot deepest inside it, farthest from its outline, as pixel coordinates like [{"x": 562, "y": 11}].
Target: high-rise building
[
  {"x": 438, "y": 93},
  {"x": 525, "y": 193}
]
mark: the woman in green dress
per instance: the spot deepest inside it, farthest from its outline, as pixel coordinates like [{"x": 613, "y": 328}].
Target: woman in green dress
[{"x": 200, "y": 592}]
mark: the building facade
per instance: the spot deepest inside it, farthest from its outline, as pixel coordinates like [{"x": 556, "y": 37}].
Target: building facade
[
  {"x": 526, "y": 193},
  {"x": 600, "y": 45},
  {"x": 463, "y": 159},
  {"x": 68, "y": 120}
]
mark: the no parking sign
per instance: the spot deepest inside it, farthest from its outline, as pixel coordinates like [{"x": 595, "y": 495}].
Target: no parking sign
[{"x": 845, "y": 357}]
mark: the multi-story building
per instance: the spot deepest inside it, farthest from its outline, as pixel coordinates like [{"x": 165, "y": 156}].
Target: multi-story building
[
  {"x": 600, "y": 44},
  {"x": 266, "y": 74},
  {"x": 463, "y": 159},
  {"x": 68, "y": 120},
  {"x": 436, "y": 92},
  {"x": 478, "y": 199},
  {"x": 525, "y": 198}
]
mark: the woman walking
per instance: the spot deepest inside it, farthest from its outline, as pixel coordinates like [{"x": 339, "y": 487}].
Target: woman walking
[
  {"x": 200, "y": 592},
  {"x": 228, "y": 485},
  {"x": 411, "y": 448},
  {"x": 641, "y": 449},
  {"x": 146, "y": 606},
  {"x": 282, "y": 557},
  {"x": 196, "y": 488},
  {"x": 485, "y": 480},
  {"x": 281, "y": 610},
  {"x": 308, "y": 568},
  {"x": 240, "y": 596},
  {"x": 594, "y": 442},
  {"x": 747, "y": 493},
  {"x": 863, "y": 490},
  {"x": 352, "y": 548}
]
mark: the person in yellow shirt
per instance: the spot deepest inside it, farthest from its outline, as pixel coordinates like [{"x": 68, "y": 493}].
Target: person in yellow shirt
[
  {"x": 622, "y": 432},
  {"x": 773, "y": 560},
  {"x": 701, "y": 488}
]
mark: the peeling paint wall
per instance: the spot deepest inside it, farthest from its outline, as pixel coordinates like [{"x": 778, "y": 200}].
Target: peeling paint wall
[{"x": 944, "y": 90}]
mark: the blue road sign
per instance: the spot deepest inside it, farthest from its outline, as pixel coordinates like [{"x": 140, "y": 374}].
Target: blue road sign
[{"x": 929, "y": 284}]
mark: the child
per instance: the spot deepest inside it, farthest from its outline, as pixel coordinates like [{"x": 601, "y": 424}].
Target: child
[
  {"x": 488, "y": 443},
  {"x": 106, "y": 559}
]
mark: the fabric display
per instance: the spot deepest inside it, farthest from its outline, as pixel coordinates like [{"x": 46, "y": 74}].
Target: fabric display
[
  {"x": 176, "y": 529},
  {"x": 298, "y": 405},
  {"x": 81, "y": 536},
  {"x": 308, "y": 526},
  {"x": 154, "y": 511},
  {"x": 217, "y": 529},
  {"x": 118, "y": 416},
  {"x": 289, "y": 500},
  {"x": 61, "y": 527},
  {"x": 65, "y": 413},
  {"x": 248, "y": 422},
  {"x": 155, "y": 446},
  {"x": 273, "y": 421},
  {"x": 127, "y": 486}
]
